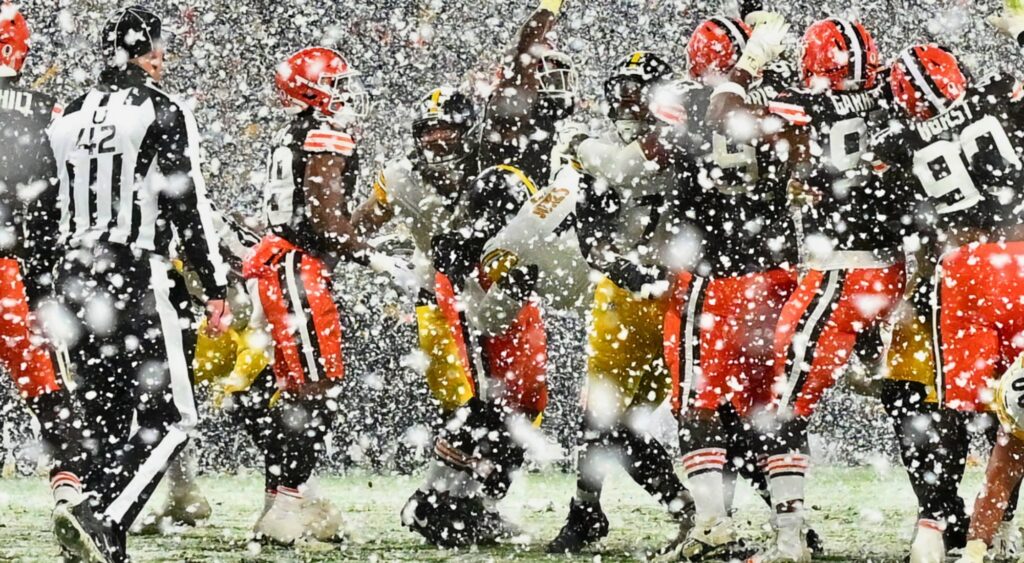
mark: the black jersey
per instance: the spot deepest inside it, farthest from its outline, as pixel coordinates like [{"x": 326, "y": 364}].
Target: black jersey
[
  {"x": 854, "y": 208},
  {"x": 285, "y": 202},
  {"x": 740, "y": 194},
  {"x": 965, "y": 166},
  {"x": 518, "y": 130},
  {"x": 26, "y": 161}
]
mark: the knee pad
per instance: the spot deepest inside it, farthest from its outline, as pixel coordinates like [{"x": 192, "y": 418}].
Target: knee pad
[{"x": 477, "y": 440}]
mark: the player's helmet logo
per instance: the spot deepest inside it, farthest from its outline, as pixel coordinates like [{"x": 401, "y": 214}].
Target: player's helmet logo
[
  {"x": 320, "y": 78},
  {"x": 715, "y": 47},
  {"x": 926, "y": 80},
  {"x": 839, "y": 54},
  {"x": 14, "y": 40}
]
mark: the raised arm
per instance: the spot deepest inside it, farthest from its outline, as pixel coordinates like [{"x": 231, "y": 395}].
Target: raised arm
[{"x": 532, "y": 38}]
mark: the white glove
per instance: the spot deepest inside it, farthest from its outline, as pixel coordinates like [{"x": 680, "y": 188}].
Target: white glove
[
  {"x": 754, "y": 19},
  {"x": 765, "y": 43},
  {"x": 1008, "y": 23},
  {"x": 654, "y": 290},
  {"x": 399, "y": 270}
]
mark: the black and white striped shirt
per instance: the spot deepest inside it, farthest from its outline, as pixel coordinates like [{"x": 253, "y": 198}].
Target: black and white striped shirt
[{"x": 128, "y": 162}]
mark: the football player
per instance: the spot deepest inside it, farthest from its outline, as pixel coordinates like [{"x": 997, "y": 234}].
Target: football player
[
  {"x": 731, "y": 301},
  {"x": 27, "y": 168},
  {"x": 312, "y": 173},
  {"x": 535, "y": 92},
  {"x": 422, "y": 192},
  {"x": 854, "y": 256},
  {"x": 623, "y": 235},
  {"x": 960, "y": 154}
]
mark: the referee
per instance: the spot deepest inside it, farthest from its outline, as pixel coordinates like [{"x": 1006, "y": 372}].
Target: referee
[{"x": 130, "y": 188}]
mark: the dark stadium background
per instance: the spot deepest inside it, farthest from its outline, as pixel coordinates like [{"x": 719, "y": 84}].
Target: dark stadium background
[{"x": 222, "y": 56}]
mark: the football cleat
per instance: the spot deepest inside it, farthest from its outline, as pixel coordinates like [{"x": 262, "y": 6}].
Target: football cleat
[
  {"x": 790, "y": 545},
  {"x": 324, "y": 520},
  {"x": 181, "y": 508},
  {"x": 284, "y": 523},
  {"x": 585, "y": 525},
  {"x": 444, "y": 520},
  {"x": 708, "y": 538},
  {"x": 81, "y": 534},
  {"x": 1006, "y": 544}
]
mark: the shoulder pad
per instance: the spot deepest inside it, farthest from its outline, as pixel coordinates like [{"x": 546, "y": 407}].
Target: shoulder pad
[{"x": 326, "y": 140}]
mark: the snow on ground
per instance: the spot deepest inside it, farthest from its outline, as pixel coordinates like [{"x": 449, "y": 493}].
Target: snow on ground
[{"x": 864, "y": 514}]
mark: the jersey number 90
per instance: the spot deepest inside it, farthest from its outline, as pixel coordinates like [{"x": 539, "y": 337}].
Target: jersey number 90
[{"x": 944, "y": 168}]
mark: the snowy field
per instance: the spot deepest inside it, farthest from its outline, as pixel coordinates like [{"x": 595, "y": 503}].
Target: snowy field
[{"x": 864, "y": 514}]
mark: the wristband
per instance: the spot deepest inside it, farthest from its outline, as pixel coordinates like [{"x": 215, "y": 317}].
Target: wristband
[{"x": 730, "y": 88}]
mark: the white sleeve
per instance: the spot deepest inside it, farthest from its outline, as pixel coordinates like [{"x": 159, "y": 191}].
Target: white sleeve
[{"x": 613, "y": 163}]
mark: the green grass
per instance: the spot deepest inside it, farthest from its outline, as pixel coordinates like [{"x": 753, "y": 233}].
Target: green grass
[{"x": 864, "y": 514}]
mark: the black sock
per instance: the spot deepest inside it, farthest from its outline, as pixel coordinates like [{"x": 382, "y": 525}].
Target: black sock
[
  {"x": 650, "y": 466},
  {"x": 933, "y": 446}
]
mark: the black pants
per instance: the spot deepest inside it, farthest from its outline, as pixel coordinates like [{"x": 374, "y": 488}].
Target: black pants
[
  {"x": 291, "y": 432},
  {"x": 130, "y": 355}
]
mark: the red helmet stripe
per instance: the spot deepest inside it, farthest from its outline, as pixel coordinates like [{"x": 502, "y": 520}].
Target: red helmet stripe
[
  {"x": 923, "y": 81},
  {"x": 857, "y": 47},
  {"x": 736, "y": 34}
]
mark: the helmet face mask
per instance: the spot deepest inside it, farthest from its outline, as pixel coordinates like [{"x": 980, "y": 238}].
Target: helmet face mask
[
  {"x": 348, "y": 98},
  {"x": 558, "y": 77},
  {"x": 440, "y": 143},
  {"x": 441, "y": 132}
]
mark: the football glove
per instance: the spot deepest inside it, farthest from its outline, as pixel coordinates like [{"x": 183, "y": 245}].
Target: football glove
[
  {"x": 766, "y": 42},
  {"x": 1008, "y": 23},
  {"x": 400, "y": 271}
]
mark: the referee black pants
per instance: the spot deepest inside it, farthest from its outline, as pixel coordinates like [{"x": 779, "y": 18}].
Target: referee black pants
[{"x": 128, "y": 347}]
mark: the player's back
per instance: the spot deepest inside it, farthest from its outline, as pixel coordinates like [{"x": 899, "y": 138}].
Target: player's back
[
  {"x": 852, "y": 208},
  {"x": 26, "y": 157},
  {"x": 966, "y": 164},
  {"x": 285, "y": 204},
  {"x": 739, "y": 192}
]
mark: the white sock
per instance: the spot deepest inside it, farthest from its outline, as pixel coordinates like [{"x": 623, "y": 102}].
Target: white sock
[
  {"x": 787, "y": 474},
  {"x": 66, "y": 488},
  {"x": 704, "y": 473},
  {"x": 268, "y": 500},
  {"x": 288, "y": 499}
]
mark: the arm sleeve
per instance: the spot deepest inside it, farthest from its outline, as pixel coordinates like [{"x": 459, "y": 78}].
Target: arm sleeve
[
  {"x": 187, "y": 205},
  {"x": 596, "y": 212},
  {"x": 42, "y": 217}
]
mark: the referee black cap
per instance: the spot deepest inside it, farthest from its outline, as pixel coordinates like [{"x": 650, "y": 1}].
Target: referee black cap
[{"x": 132, "y": 31}]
